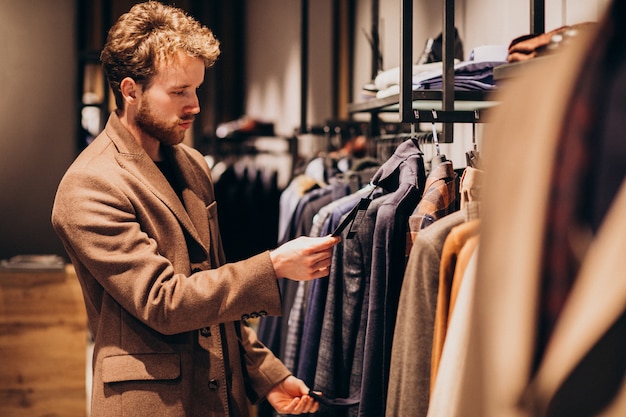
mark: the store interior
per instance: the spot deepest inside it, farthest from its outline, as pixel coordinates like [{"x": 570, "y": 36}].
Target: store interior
[
  {"x": 292, "y": 83},
  {"x": 41, "y": 105}
]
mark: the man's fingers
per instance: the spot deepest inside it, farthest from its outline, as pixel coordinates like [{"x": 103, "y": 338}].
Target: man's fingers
[
  {"x": 321, "y": 264},
  {"x": 324, "y": 244}
]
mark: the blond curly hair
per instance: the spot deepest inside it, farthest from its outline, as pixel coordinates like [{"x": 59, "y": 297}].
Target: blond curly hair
[{"x": 148, "y": 36}]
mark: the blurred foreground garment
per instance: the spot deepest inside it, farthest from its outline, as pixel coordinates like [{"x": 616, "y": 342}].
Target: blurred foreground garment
[{"x": 548, "y": 328}]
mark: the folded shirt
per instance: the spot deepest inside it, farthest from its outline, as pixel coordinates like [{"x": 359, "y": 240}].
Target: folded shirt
[
  {"x": 387, "y": 78},
  {"x": 468, "y": 76}
]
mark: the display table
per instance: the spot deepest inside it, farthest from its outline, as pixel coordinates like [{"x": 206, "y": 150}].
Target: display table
[{"x": 43, "y": 344}]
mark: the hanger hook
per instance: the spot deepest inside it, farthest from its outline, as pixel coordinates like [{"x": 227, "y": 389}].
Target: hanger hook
[
  {"x": 476, "y": 118},
  {"x": 435, "y": 138}
]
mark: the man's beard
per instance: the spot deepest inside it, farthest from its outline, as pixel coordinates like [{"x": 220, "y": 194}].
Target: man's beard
[{"x": 166, "y": 133}]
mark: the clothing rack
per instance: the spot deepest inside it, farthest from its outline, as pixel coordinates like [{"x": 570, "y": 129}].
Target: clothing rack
[
  {"x": 446, "y": 106},
  {"x": 407, "y": 113}
]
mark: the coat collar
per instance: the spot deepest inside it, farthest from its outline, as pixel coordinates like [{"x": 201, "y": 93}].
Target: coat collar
[
  {"x": 406, "y": 165},
  {"x": 132, "y": 157}
]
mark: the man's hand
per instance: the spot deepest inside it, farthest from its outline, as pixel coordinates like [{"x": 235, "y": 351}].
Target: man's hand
[
  {"x": 291, "y": 397},
  {"x": 304, "y": 258}
]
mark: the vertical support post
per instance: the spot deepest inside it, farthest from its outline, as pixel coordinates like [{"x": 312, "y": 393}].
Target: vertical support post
[
  {"x": 304, "y": 63},
  {"x": 376, "y": 58},
  {"x": 406, "y": 64},
  {"x": 537, "y": 16},
  {"x": 448, "y": 67}
]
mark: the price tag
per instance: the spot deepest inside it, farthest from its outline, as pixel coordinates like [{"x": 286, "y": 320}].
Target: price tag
[{"x": 353, "y": 219}]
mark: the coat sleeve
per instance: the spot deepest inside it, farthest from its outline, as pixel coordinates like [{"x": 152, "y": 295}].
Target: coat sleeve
[
  {"x": 124, "y": 241},
  {"x": 263, "y": 368}
]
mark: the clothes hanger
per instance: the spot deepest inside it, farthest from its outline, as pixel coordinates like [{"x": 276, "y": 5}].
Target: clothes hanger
[
  {"x": 439, "y": 158},
  {"x": 414, "y": 136},
  {"x": 472, "y": 157}
]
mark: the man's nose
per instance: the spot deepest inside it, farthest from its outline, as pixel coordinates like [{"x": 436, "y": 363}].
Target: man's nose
[{"x": 193, "y": 107}]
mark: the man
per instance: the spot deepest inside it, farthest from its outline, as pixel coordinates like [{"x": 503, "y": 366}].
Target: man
[{"x": 137, "y": 215}]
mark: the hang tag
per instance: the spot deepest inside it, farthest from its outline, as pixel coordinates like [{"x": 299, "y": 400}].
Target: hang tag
[{"x": 353, "y": 219}]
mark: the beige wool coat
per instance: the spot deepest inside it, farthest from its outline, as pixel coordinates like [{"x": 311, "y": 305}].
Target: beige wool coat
[
  {"x": 581, "y": 372},
  {"x": 167, "y": 315}
]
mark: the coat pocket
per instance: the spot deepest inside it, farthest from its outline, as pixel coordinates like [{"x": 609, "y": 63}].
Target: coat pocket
[{"x": 141, "y": 367}]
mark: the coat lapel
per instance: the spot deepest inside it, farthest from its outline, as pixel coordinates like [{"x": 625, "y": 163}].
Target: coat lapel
[
  {"x": 195, "y": 202},
  {"x": 134, "y": 159}
]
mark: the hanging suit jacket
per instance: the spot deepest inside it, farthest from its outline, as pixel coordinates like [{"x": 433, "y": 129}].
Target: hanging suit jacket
[
  {"x": 583, "y": 370},
  {"x": 403, "y": 175},
  {"x": 339, "y": 366},
  {"x": 165, "y": 313}
]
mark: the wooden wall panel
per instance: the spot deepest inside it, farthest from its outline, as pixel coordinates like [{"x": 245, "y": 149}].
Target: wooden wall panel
[{"x": 43, "y": 341}]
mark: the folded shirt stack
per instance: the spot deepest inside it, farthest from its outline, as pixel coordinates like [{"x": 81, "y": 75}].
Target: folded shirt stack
[{"x": 473, "y": 74}]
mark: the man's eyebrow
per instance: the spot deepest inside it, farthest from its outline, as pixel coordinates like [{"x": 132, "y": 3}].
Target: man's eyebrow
[{"x": 183, "y": 86}]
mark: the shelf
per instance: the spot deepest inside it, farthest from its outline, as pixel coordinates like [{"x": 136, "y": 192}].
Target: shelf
[
  {"x": 425, "y": 100},
  {"x": 447, "y": 105}
]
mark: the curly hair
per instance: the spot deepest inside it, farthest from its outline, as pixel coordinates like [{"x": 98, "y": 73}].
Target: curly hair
[{"x": 148, "y": 36}]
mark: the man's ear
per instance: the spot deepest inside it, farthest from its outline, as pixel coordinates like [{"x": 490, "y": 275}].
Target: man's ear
[{"x": 129, "y": 89}]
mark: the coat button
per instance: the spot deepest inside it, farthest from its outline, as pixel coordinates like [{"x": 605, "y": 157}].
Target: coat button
[
  {"x": 214, "y": 384},
  {"x": 254, "y": 315},
  {"x": 245, "y": 317},
  {"x": 262, "y": 313},
  {"x": 205, "y": 331}
]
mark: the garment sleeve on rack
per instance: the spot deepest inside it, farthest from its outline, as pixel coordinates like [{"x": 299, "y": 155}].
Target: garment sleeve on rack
[
  {"x": 409, "y": 378},
  {"x": 450, "y": 273},
  {"x": 446, "y": 394},
  {"x": 312, "y": 325},
  {"x": 272, "y": 330},
  {"x": 295, "y": 318}
]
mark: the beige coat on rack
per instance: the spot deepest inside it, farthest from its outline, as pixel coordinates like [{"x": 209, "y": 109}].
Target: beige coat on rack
[{"x": 520, "y": 145}]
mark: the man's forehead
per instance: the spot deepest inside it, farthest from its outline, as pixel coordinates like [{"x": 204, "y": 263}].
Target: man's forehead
[{"x": 181, "y": 70}]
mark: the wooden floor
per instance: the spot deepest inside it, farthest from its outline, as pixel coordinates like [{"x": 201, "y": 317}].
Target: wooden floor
[{"x": 43, "y": 341}]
